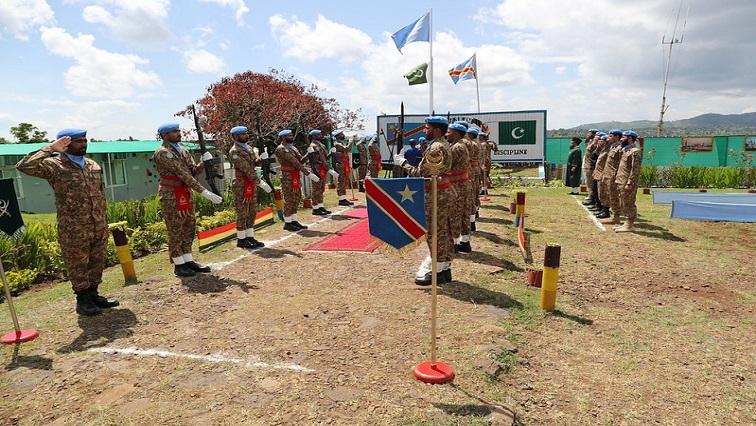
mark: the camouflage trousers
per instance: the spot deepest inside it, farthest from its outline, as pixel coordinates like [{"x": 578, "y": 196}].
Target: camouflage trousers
[
  {"x": 373, "y": 169},
  {"x": 460, "y": 211},
  {"x": 475, "y": 174},
  {"x": 362, "y": 170},
  {"x": 446, "y": 198},
  {"x": 342, "y": 181},
  {"x": 603, "y": 189},
  {"x": 614, "y": 199},
  {"x": 317, "y": 189},
  {"x": 627, "y": 201},
  {"x": 181, "y": 227},
  {"x": 246, "y": 208},
  {"x": 291, "y": 196},
  {"x": 84, "y": 248}
]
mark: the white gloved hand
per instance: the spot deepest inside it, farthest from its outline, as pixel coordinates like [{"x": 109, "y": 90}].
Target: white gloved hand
[
  {"x": 310, "y": 150},
  {"x": 207, "y": 156},
  {"x": 313, "y": 177},
  {"x": 264, "y": 155},
  {"x": 333, "y": 173},
  {"x": 216, "y": 199},
  {"x": 399, "y": 160},
  {"x": 333, "y": 150},
  {"x": 256, "y": 151},
  {"x": 265, "y": 187}
]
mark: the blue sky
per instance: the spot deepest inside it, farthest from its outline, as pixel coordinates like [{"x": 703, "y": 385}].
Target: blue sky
[{"x": 119, "y": 68}]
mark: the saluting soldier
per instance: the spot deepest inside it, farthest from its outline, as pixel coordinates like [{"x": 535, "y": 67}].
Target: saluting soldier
[
  {"x": 573, "y": 166},
  {"x": 291, "y": 189},
  {"x": 610, "y": 173},
  {"x": 472, "y": 134},
  {"x": 461, "y": 182},
  {"x": 318, "y": 148},
  {"x": 343, "y": 168},
  {"x": 475, "y": 172},
  {"x": 628, "y": 176},
  {"x": 374, "y": 151},
  {"x": 601, "y": 208},
  {"x": 177, "y": 171},
  {"x": 362, "y": 151},
  {"x": 245, "y": 160},
  {"x": 438, "y": 148},
  {"x": 588, "y": 163},
  {"x": 79, "y": 189}
]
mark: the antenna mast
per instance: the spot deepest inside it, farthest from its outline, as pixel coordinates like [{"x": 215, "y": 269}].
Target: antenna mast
[{"x": 672, "y": 41}]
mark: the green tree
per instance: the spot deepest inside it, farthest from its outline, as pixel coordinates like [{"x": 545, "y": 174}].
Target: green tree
[
  {"x": 3, "y": 140},
  {"x": 28, "y": 133}
]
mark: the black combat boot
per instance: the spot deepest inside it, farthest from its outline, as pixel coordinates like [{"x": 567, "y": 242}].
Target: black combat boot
[
  {"x": 255, "y": 242},
  {"x": 362, "y": 187},
  {"x": 245, "y": 243},
  {"x": 101, "y": 302},
  {"x": 85, "y": 305},
  {"x": 464, "y": 247},
  {"x": 289, "y": 226},
  {"x": 299, "y": 225},
  {"x": 345, "y": 203},
  {"x": 183, "y": 270},
  {"x": 327, "y": 212},
  {"x": 427, "y": 278},
  {"x": 472, "y": 226},
  {"x": 196, "y": 267},
  {"x": 318, "y": 212}
]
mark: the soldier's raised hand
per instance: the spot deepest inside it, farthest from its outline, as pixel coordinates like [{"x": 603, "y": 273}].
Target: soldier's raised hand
[{"x": 61, "y": 144}]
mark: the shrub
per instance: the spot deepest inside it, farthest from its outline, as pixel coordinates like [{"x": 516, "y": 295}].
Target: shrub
[
  {"x": 649, "y": 176},
  {"x": 18, "y": 281}
]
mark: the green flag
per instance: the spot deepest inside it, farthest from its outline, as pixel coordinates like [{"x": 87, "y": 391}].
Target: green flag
[
  {"x": 520, "y": 132},
  {"x": 11, "y": 221},
  {"x": 417, "y": 75}
]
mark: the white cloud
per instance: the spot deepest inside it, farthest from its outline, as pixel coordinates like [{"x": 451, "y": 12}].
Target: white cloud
[
  {"x": 202, "y": 61},
  {"x": 239, "y": 6},
  {"x": 327, "y": 39},
  {"x": 98, "y": 73},
  {"x": 139, "y": 21},
  {"x": 20, "y": 17}
]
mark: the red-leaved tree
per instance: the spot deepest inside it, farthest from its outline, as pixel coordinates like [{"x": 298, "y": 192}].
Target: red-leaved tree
[{"x": 278, "y": 100}]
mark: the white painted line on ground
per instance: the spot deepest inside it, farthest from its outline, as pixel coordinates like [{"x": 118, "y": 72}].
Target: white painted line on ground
[
  {"x": 595, "y": 220},
  {"x": 208, "y": 358},
  {"x": 220, "y": 265}
]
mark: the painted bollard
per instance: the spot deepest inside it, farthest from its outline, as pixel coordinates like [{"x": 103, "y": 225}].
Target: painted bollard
[
  {"x": 123, "y": 252},
  {"x": 550, "y": 276},
  {"x": 520, "y": 211}
]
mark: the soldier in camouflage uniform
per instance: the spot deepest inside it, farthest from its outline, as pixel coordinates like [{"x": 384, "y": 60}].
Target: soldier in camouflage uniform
[
  {"x": 435, "y": 128},
  {"x": 488, "y": 147},
  {"x": 291, "y": 189},
  {"x": 177, "y": 171},
  {"x": 343, "y": 166},
  {"x": 474, "y": 173},
  {"x": 610, "y": 173},
  {"x": 472, "y": 134},
  {"x": 320, "y": 155},
  {"x": 461, "y": 183},
  {"x": 362, "y": 151},
  {"x": 628, "y": 175},
  {"x": 601, "y": 209},
  {"x": 245, "y": 160},
  {"x": 590, "y": 147},
  {"x": 79, "y": 189},
  {"x": 374, "y": 165}
]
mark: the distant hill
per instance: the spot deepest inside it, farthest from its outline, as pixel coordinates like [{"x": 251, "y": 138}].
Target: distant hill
[{"x": 703, "y": 125}]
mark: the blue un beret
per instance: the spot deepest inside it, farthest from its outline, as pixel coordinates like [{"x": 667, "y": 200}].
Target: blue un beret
[
  {"x": 167, "y": 127},
  {"x": 630, "y": 133},
  {"x": 421, "y": 139},
  {"x": 437, "y": 119},
  {"x": 72, "y": 133},
  {"x": 484, "y": 134},
  {"x": 283, "y": 133},
  {"x": 601, "y": 134},
  {"x": 338, "y": 132},
  {"x": 464, "y": 123},
  {"x": 473, "y": 131},
  {"x": 594, "y": 130},
  {"x": 314, "y": 132},
  {"x": 616, "y": 132},
  {"x": 458, "y": 127},
  {"x": 238, "y": 130}
]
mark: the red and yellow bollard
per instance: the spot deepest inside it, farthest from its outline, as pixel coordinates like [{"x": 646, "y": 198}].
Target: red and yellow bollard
[
  {"x": 279, "y": 203},
  {"x": 520, "y": 209},
  {"x": 122, "y": 250},
  {"x": 550, "y": 276}
]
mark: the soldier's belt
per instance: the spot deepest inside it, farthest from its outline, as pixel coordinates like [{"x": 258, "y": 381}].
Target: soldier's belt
[
  {"x": 474, "y": 163},
  {"x": 443, "y": 182},
  {"x": 288, "y": 168},
  {"x": 459, "y": 177},
  {"x": 172, "y": 181}
]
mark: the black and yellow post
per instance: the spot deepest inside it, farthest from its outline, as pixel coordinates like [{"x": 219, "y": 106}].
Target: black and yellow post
[
  {"x": 550, "y": 276},
  {"x": 118, "y": 230}
]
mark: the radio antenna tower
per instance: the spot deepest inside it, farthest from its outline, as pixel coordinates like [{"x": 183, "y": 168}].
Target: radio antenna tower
[{"x": 671, "y": 42}]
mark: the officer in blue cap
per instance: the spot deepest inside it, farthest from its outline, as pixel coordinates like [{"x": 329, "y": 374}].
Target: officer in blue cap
[
  {"x": 245, "y": 160},
  {"x": 438, "y": 149},
  {"x": 177, "y": 170},
  {"x": 79, "y": 189},
  {"x": 360, "y": 161},
  {"x": 291, "y": 166},
  {"x": 317, "y": 154},
  {"x": 461, "y": 182},
  {"x": 627, "y": 179}
]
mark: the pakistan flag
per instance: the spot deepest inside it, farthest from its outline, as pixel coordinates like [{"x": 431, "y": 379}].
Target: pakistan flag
[{"x": 520, "y": 132}]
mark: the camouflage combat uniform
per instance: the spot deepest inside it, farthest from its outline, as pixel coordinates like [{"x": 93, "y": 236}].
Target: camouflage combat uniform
[
  {"x": 321, "y": 163},
  {"x": 291, "y": 185},
  {"x": 363, "y": 155},
  {"x": 628, "y": 173},
  {"x": 343, "y": 165},
  {"x": 598, "y": 175},
  {"x": 445, "y": 198},
  {"x": 81, "y": 212},
  {"x": 460, "y": 210},
  {"x": 177, "y": 176},
  {"x": 475, "y": 173},
  {"x": 590, "y": 147},
  {"x": 374, "y": 165},
  {"x": 610, "y": 174},
  {"x": 244, "y": 185}
]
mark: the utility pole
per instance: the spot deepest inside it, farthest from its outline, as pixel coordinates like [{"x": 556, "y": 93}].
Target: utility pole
[{"x": 672, "y": 41}]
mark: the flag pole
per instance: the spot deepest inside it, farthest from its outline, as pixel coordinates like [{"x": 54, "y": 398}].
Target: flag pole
[
  {"x": 477, "y": 86},
  {"x": 17, "y": 336},
  {"x": 430, "y": 66}
]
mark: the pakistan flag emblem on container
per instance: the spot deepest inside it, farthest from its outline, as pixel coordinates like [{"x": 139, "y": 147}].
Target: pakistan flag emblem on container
[{"x": 520, "y": 132}]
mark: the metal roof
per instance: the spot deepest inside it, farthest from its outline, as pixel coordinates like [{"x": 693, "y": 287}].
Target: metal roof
[{"x": 96, "y": 147}]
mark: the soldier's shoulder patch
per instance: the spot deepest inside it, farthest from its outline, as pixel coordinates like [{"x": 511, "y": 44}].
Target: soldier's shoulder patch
[
  {"x": 169, "y": 155},
  {"x": 235, "y": 156}
]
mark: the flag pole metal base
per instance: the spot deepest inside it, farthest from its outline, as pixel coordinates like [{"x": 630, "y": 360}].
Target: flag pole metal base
[
  {"x": 20, "y": 336},
  {"x": 434, "y": 372}
]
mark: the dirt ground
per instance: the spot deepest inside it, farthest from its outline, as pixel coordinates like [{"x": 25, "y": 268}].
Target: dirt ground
[{"x": 645, "y": 333}]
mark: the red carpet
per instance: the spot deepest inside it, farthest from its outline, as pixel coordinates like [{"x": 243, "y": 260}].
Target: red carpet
[
  {"x": 354, "y": 237},
  {"x": 358, "y": 213}
]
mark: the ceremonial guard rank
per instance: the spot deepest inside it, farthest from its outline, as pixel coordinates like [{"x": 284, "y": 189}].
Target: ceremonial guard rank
[
  {"x": 343, "y": 167},
  {"x": 479, "y": 174},
  {"x": 374, "y": 151},
  {"x": 610, "y": 174},
  {"x": 79, "y": 189},
  {"x": 628, "y": 176},
  {"x": 243, "y": 187},
  {"x": 461, "y": 181},
  {"x": 438, "y": 151},
  {"x": 291, "y": 187},
  {"x": 319, "y": 162},
  {"x": 177, "y": 171}
]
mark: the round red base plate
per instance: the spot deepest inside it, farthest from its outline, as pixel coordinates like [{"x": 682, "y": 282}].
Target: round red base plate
[
  {"x": 434, "y": 372},
  {"x": 485, "y": 199},
  {"x": 19, "y": 337}
]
